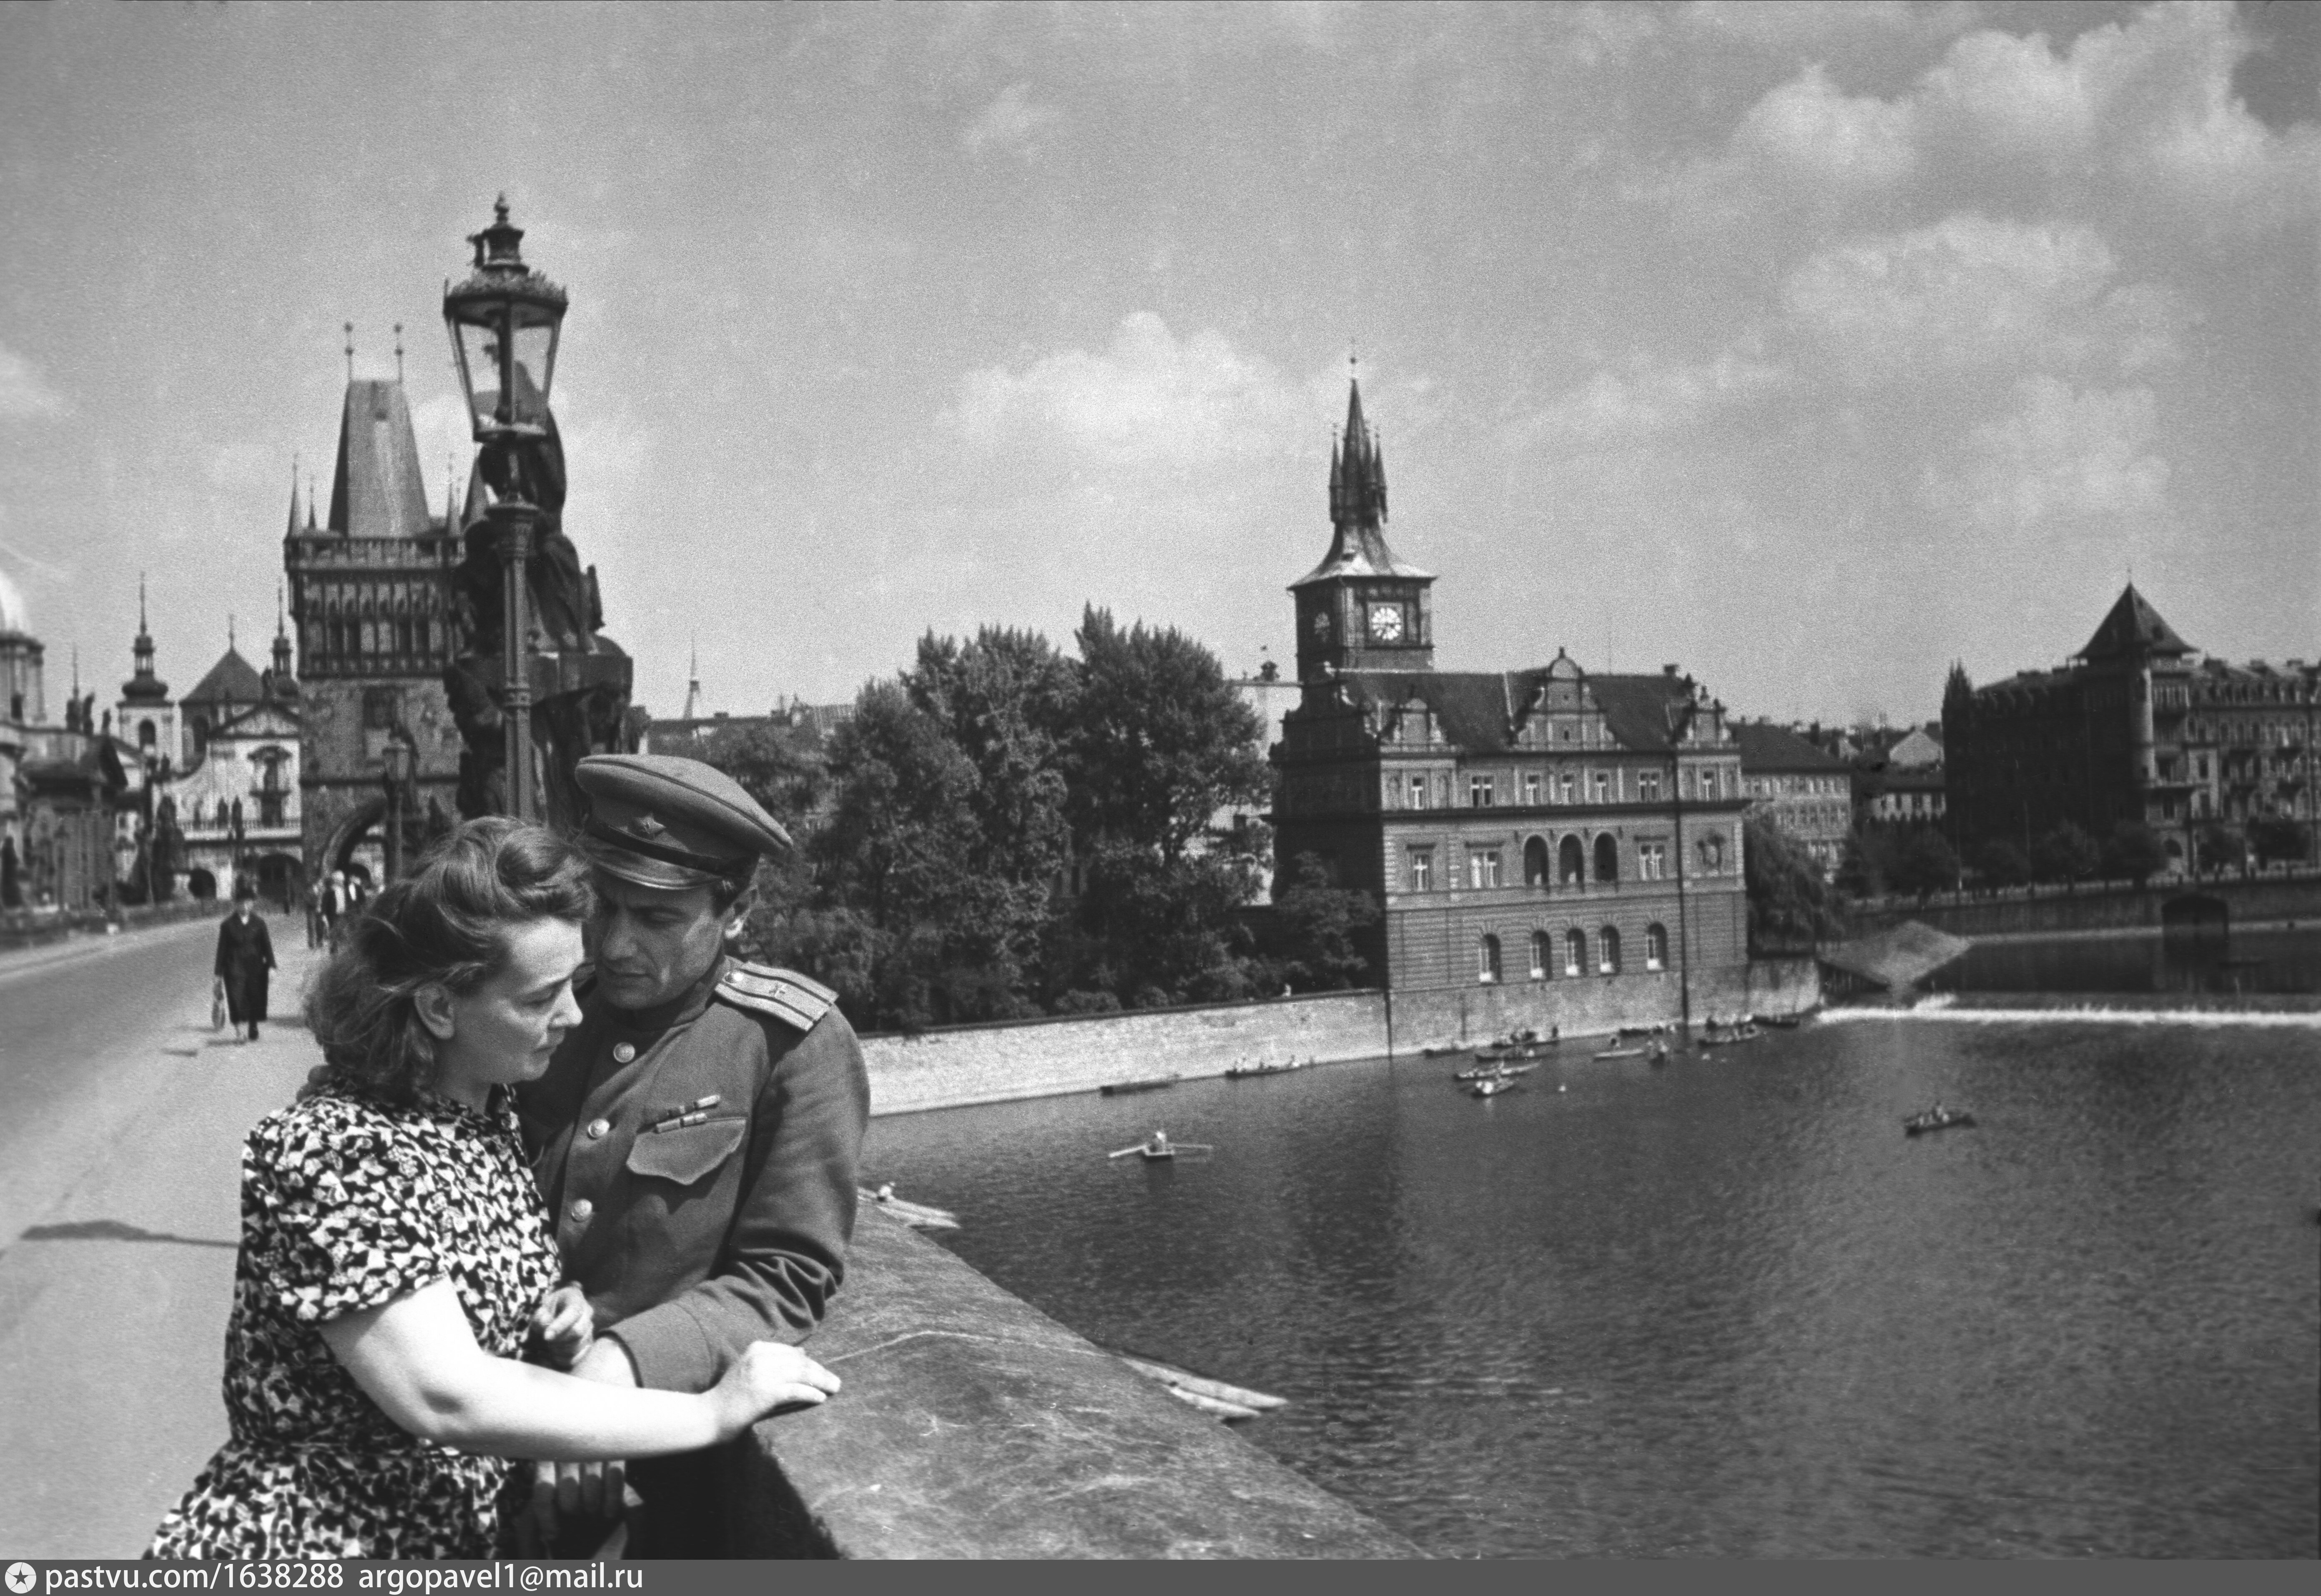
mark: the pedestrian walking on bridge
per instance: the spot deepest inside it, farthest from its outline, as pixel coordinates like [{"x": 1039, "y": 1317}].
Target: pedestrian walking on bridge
[{"x": 245, "y": 955}]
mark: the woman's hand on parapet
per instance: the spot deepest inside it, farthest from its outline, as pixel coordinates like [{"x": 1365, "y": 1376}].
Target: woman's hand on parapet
[
  {"x": 563, "y": 1326},
  {"x": 768, "y": 1375}
]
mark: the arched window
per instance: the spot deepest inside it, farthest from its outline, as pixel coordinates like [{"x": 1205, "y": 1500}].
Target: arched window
[
  {"x": 1535, "y": 862},
  {"x": 1656, "y": 946},
  {"x": 1541, "y": 953},
  {"x": 145, "y": 737},
  {"x": 1571, "y": 866},
  {"x": 1607, "y": 859},
  {"x": 1488, "y": 959},
  {"x": 1608, "y": 952},
  {"x": 1575, "y": 951}
]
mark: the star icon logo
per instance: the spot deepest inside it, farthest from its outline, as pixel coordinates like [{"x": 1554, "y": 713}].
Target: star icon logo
[
  {"x": 646, "y": 827},
  {"x": 21, "y": 1577}
]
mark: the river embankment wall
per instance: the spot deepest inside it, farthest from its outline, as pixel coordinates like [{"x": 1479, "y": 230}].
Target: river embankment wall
[
  {"x": 2109, "y": 906},
  {"x": 955, "y": 1067}
]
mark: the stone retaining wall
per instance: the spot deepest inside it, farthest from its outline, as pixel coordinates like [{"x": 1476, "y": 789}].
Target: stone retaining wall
[
  {"x": 972, "y": 1064},
  {"x": 969, "y": 1064}
]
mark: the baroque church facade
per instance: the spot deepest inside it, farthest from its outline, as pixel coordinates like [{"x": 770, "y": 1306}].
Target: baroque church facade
[{"x": 1548, "y": 845}]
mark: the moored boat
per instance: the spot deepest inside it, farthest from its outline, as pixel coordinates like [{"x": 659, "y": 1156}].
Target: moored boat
[
  {"x": 1491, "y": 1087},
  {"x": 1120, "y": 1088},
  {"x": 1937, "y": 1118}
]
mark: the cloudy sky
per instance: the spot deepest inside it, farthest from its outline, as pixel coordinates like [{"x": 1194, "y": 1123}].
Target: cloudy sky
[{"x": 1812, "y": 346}]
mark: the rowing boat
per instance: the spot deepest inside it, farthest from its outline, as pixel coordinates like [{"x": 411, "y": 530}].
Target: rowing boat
[{"x": 1624, "y": 1053}]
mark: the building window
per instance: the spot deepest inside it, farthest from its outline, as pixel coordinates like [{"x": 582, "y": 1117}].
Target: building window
[
  {"x": 1601, "y": 782},
  {"x": 1656, "y": 946},
  {"x": 1483, "y": 868},
  {"x": 1531, "y": 787},
  {"x": 1535, "y": 862},
  {"x": 1539, "y": 956},
  {"x": 1563, "y": 786},
  {"x": 1575, "y": 951},
  {"x": 1608, "y": 952},
  {"x": 1488, "y": 960},
  {"x": 1422, "y": 869},
  {"x": 1651, "y": 861},
  {"x": 1648, "y": 786},
  {"x": 1571, "y": 865},
  {"x": 1442, "y": 789},
  {"x": 1418, "y": 791},
  {"x": 1478, "y": 792},
  {"x": 1607, "y": 859},
  {"x": 1712, "y": 853}
]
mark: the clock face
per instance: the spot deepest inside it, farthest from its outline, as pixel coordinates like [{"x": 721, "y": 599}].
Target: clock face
[{"x": 1386, "y": 623}]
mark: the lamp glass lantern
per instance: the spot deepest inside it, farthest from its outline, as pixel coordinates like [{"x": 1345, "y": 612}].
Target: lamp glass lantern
[
  {"x": 504, "y": 320},
  {"x": 396, "y": 760}
]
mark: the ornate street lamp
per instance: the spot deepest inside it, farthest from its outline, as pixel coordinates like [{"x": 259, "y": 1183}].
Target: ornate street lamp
[
  {"x": 395, "y": 762},
  {"x": 504, "y": 320}
]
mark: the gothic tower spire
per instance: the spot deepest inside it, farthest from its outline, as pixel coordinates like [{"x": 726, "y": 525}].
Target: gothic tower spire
[{"x": 1361, "y": 608}]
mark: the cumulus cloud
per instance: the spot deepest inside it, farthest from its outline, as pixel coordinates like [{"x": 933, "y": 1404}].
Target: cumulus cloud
[
  {"x": 1970, "y": 293},
  {"x": 23, "y": 392},
  {"x": 1149, "y": 399},
  {"x": 2064, "y": 455},
  {"x": 2142, "y": 110},
  {"x": 1642, "y": 399},
  {"x": 1013, "y": 121}
]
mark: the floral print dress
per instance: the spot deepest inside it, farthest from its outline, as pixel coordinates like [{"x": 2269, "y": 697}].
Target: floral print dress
[{"x": 348, "y": 1203}]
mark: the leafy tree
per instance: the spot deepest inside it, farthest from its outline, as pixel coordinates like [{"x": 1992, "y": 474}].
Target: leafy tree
[
  {"x": 2066, "y": 854},
  {"x": 1864, "y": 868},
  {"x": 906, "y": 927},
  {"x": 1999, "y": 863},
  {"x": 1160, "y": 741},
  {"x": 2223, "y": 849},
  {"x": 1158, "y": 745},
  {"x": 773, "y": 764},
  {"x": 1005, "y": 700},
  {"x": 1317, "y": 923},
  {"x": 1924, "y": 864},
  {"x": 2278, "y": 841},
  {"x": 1789, "y": 903},
  {"x": 2133, "y": 850}
]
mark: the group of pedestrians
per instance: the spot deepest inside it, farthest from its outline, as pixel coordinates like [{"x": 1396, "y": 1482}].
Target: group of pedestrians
[
  {"x": 568, "y": 1184},
  {"x": 330, "y": 902}
]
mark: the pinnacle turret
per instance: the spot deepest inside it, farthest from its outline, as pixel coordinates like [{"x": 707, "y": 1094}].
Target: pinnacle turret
[{"x": 144, "y": 686}]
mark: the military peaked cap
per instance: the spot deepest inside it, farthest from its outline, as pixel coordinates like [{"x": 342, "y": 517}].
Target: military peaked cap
[{"x": 672, "y": 823}]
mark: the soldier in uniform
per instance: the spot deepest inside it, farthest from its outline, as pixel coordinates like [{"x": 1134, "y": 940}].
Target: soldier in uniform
[{"x": 697, "y": 1134}]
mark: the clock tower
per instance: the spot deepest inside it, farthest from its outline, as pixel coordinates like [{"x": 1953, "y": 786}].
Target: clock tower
[{"x": 1361, "y": 608}]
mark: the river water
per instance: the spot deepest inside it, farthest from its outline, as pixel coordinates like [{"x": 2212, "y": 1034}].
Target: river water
[{"x": 1722, "y": 1308}]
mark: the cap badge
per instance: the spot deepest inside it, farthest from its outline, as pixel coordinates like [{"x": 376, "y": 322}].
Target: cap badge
[{"x": 646, "y": 827}]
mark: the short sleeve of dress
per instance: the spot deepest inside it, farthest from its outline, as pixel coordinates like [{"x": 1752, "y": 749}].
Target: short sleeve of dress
[{"x": 341, "y": 1211}]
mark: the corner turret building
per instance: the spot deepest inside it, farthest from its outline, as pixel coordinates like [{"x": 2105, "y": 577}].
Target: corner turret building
[
  {"x": 1548, "y": 845},
  {"x": 2136, "y": 728}
]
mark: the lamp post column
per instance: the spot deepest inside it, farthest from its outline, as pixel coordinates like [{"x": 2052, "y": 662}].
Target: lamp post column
[{"x": 516, "y": 551}]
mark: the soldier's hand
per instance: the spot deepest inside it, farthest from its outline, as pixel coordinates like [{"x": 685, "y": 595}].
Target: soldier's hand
[
  {"x": 768, "y": 1375},
  {"x": 563, "y": 1326},
  {"x": 563, "y": 1490}
]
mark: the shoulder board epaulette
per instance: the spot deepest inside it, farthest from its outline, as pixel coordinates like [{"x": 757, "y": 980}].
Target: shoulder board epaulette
[{"x": 789, "y": 997}]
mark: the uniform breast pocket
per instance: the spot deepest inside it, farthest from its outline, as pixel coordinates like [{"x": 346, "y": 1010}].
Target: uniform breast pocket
[{"x": 690, "y": 1155}]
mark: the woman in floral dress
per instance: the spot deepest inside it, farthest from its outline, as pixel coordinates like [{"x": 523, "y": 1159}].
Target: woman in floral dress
[{"x": 397, "y": 1262}]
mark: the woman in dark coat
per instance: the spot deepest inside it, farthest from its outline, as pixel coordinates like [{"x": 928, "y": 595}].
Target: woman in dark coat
[{"x": 245, "y": 953}]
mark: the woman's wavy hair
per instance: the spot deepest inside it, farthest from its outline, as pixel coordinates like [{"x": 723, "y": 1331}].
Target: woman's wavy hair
[{"x": 445, "y": 924}]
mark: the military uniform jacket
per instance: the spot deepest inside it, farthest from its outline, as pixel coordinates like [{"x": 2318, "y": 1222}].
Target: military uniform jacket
[{"x": 698, "y": 1160}]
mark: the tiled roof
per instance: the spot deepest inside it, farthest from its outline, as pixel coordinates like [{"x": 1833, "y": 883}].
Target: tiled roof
[
  {"x": 375, "y": 491},
  {"x": 1776, "y": 749},
  {"x": 231, "y": 680},
  {"x": 1473, "y": 708},
  {"x": 2132, "y": 626}
]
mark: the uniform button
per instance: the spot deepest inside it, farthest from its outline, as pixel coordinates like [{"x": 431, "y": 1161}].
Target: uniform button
[
  {"x": 580, "y": 1210},
  {"x": 596, "y": 1127},
  {"x": 623, "y": 1052}
]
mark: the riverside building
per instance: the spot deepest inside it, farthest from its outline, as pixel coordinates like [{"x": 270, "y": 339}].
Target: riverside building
[
  {"x": 2137, "y": 727},
  {"x": 1548, "y": 845}
]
